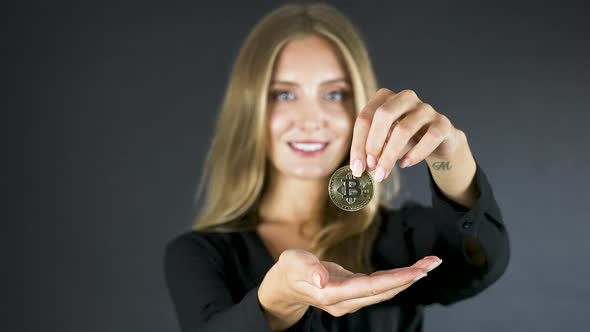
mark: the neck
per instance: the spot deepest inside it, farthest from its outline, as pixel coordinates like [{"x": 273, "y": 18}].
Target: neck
[{"x": 294, "y": 201}]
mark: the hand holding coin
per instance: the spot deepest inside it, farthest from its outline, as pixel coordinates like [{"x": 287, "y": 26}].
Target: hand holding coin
[{"x": 396, "y": 126}]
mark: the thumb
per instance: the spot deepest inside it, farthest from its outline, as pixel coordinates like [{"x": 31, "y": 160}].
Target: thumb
[
  {"x": 304, "y": 265},
  {"x": 319, "y": 275}
]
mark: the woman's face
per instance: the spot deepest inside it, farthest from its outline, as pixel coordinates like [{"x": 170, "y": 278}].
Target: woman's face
[{"x": 311, "y": 109}]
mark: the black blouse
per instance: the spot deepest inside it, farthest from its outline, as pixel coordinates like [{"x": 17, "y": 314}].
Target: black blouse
[{"x": 213, "y": 278}]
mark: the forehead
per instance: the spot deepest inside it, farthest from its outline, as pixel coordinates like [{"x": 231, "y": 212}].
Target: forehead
[{"x": 312, "y": 59}]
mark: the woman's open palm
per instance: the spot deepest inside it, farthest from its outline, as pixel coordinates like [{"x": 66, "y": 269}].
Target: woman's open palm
[{"x": 302, "y": 279}]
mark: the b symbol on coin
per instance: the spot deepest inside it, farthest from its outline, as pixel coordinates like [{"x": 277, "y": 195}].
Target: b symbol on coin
[
  {"x": 350, "y": 193},
  {"x": 351, "y": 189}
]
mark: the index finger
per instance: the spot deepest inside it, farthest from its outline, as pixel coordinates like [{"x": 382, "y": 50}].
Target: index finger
[
  {"x": 361, "y": 129},
  {"x": 427, "y": 263}
]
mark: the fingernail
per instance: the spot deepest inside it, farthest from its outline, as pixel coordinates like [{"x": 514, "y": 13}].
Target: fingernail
[
  {"x": 317, "y": 280},
  {"x": 420, "y": 277},
  {"x": 379, "y": 174},
  {"x": 357, "y": 168},
  {"x": 371, "y": 161},
  {"x": 433, "y": 265},
  {"x": 404, "y": 163}
]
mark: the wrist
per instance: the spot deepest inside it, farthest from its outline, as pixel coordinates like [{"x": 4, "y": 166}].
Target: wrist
[
  {"x": 279, "y": 313},
  {"x": 454, "y": 175}
]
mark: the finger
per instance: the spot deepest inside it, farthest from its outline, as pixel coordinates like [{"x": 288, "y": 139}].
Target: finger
[
  {"x": 433, "y": 137},
  {"x": 319, "y": 275},
  {"x": 362, "y": 124},
  {"x": 304, "y": 266},
  {"x": 340, "y": 290},
  {"x": 352, "y": 305},
  {"x": 385, "y": 115},
  {"x": 400, "y": 137},
  {"x": 391, "y": 129},
  {"x": 410, "y": 144},
  {"x": 319, "y": 297},
  {"x": 427, "y": 264}
]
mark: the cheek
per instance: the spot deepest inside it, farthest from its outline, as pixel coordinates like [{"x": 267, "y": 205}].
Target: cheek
[
  {"x": 342, "y": 125},
  {"x": 278, "y": 124}
]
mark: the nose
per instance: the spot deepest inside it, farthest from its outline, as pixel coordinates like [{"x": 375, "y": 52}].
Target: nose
[{"x": 311, "y": 117}]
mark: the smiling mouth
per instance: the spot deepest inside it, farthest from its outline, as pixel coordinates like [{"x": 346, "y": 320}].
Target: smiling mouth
[{"x": 308, "y": 148}]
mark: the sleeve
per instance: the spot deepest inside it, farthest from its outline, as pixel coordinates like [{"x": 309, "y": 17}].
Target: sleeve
[
  {"x": 472, "y": 242},
  {"x": 196, "y": 281}
]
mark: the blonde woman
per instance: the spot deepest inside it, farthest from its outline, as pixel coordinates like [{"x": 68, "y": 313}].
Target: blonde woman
[{"x": 270, "y": 252}]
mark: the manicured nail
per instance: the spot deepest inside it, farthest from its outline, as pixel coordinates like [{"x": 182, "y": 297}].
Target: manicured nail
[
  {"x": 433, "y": 265},
  {"x": 357, "y": 168},
  {"x": 420, "y": 277},
  {"x": 371, "y": 161},
  {"x": 405, "y": 163},
  {"x": 317, "y": 280},
  {"x": 379, "y": 174}
]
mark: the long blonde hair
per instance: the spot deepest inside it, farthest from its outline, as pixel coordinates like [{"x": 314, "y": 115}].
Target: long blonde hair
[{"x": 236, "y": 168}]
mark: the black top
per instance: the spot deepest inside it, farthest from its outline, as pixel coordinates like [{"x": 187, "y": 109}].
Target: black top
[{"x": 213, "y": 278}]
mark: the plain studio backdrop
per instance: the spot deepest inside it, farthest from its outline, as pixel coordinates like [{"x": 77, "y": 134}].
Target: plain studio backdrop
[{"x": 120, "y": 102}]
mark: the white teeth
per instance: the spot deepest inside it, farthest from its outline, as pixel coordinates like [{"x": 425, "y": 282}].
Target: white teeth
[{"x": 308, "y": 147}]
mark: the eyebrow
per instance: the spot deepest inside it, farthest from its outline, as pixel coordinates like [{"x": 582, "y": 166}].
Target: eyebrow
[{"x": 323, "y": 83}]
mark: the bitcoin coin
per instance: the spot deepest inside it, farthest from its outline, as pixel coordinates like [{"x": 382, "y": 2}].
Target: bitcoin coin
[{"x": 348, "y": 192}]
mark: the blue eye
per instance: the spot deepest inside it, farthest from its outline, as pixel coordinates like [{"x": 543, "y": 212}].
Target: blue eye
[
  {"x": 278, "y": 94},
  {"x": 340, "y": 95},
  {"x": 287, "y": 95}
]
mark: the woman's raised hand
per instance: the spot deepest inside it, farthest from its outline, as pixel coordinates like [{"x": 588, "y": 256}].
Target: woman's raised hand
[
  {"x": 399, "y": 126},
  {"x": 299, "y": 279}
]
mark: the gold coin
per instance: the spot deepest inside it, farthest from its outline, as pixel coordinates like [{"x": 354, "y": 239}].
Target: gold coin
[{"x": 349, "y": 192}]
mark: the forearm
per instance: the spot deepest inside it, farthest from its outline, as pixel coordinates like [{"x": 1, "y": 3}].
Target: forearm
[{"x": 455, "y": 176}]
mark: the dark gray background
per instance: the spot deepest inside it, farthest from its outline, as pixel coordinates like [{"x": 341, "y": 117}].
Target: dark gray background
[{"x": 120, "y": 104}]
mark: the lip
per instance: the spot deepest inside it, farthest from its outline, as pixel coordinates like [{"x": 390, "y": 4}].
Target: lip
[{"x": 308, "y": 153}]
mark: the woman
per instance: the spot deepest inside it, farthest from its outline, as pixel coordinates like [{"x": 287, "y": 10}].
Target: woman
[{"x": 271, "y": 252}]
